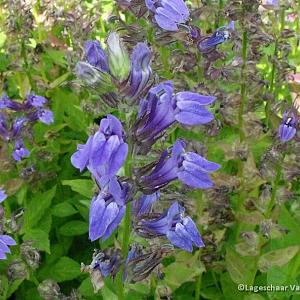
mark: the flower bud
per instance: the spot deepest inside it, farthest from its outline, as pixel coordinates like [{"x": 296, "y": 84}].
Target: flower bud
[
  {"x": 118, "y": 58},
  {"x": 93, "y": 77},
  {"x": 30, "y": 254},
  {"x": 49, "y": 290},
  {"x": 17, "y": 270}
]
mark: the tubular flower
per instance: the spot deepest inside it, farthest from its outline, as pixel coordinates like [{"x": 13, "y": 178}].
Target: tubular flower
[
  {"x": 7, "y": 103},
  {"x": 169, "y": 13},
  {"x": 190, "y": 168},
  {"x": 35, "y": 101},
  {"x": 161, "y": 109},
  {"x": 20, "y": 151},
  {"x": 107, "y": 209},
  {"x": 5, "y": 241},
  {"x": 104, "y": 152},
  {"x": 287, "y": 129},
  {"x": 181, "y": 231},
  {"x": 3, "y": 195},
  {"x": 140, "y": 70},
  {"x": 144, "y": 203},
  {"x": 4, "y": 131},
  {"x": 95, "y": 55}
]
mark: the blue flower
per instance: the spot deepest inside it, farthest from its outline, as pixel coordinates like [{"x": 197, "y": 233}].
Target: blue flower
[
  {"x": 18, "y": 125},
  {"x": 3, "y": 195},
  {"x": 181, "y": 231},
  {"x": 190, "y": 168},
  {"x": 144, "y": 203},
  {"x": 4, "y": 132},
  {"x": 35, "y": 101},
  {"x": 19, "y": 150},
  {"x": 287, "y": 129},
  {"x": 140, "y": 70},
  {"x": 107, "y": 209},
  {"x": 6, "y": 102},
  {"x": 162, "y": 108},
  {"x": 95, "y": 55},
  {"x": 45, "y": 116},
  {"x": 5, "y": 241},
  {"x": 169, "y": 13},
  {"x": 105, "y": 151}
]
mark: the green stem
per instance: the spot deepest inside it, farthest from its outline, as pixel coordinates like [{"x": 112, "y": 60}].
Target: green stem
[{"x": 198, "y": 287}]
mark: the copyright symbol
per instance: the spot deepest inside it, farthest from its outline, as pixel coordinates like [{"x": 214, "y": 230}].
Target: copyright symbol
[{"x": 241, "y": 287}]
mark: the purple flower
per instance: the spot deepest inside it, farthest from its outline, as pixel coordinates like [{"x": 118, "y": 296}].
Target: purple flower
[
  {"x": 140, "y": 69},
  {"x": 190, "y": 168},
  {"x": 18, "y": 125},
  {"x": 6, "y": 102},
  {"x": 45, "y": 116},
  {"x": 3, "y": 195},
  {"x": 220, "y": 36},
  {"x": 107, "y": 209},
  {"x": 20, "y": 151},
  {"x": 144, "y": 203},
  {"x": 180, "y": 231},
  {"x": 5, "y": 241},
  {"x": 161, "y": 109},
  {"x": 4, "y": 132},
  {"x": 35, "y": 101},
  {"x": 169, "y": 14},
  {"x": 95, "y": 55},
  {"x": 287, "y": 129},
  {"x": 105, "y": 151}
]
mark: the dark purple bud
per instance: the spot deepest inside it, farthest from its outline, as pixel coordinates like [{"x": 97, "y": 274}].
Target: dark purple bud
[
  {"x": 169, "y": 14},
  {"x": 20, "y": 151},
  {"x": 5, "y": 241},
  {"x": 6, "y": 102},
  {"x": 181, "y": 231},
  {"x": 140, "y": 70},
  {"x": 287, "y": 129},
  {"x": 95, "y": 55}
]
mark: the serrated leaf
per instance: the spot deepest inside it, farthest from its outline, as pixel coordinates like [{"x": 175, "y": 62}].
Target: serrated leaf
[
  {"x": 82, "y": 186},
  {"x": 278, "y": 257},
  {"x": 40, "y": 238},
  {"x": 73, "y": 228},
  {"x": 65, "y": 269},
  {"x": 64, "y": 209}
]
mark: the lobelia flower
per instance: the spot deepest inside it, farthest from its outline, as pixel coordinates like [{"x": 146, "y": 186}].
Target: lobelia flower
[
  {"x": 107, "y": 209},
  {"x": 179, "y": 230},
  {"x": 4, "y": 131},
  {"x": 3, "y": 195},
  {"x": 190, "y": 168},
  {"x": 221, "y": 35},
  {"x": 18, "y": 125},
  {"x": 161, "y": 109},
  {"x": 35, "y": 101},
  {"x": 19, "y": 150},
  {"x": 169, "y": 13},
  {"x": 140, "y": 70},
  {"x": 104, "y": 152},
  {"x": 5, "y": 241},
  {"x": 7, "y": 103},
  {"x": 95, "y": 55},
  {"x": 287, "y": 129},
  {"x": 144, "y": 203}
]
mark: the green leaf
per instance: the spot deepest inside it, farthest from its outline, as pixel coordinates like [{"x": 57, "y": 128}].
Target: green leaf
[
  {"x": 37, "y": 207},
  {"x": 58, "y": 81},
  {"x": 73, "y": 228},
  {"x": 65, "y": 269},
  {"x": 64, "y": 209},
  {"x": 82, "y": 186},
  {"x": 240, "y": 269},
  {"x": 278, "y": 257},
  {"x": 40, "y": 238}
]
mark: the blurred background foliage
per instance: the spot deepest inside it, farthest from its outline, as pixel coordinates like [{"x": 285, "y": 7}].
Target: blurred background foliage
[{"x": 250, "y": 221}]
